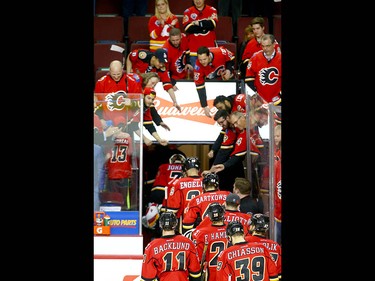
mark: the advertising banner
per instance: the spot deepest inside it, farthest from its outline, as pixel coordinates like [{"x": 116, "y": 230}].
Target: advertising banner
[
  {"x": 114, "y": 223},
  {"x": 191, "y": 124},
  {"x": 124, "y": 222}
]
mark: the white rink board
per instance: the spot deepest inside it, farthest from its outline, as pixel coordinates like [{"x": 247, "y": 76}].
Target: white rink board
[
  {"x": 117, "y": 269},
  {"x": 191, "y": 125},
  {"x": 118, "y": 245},
  {"x": 120, "y": 268}
]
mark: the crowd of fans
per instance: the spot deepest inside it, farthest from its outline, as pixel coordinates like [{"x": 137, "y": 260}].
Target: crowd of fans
[{"x": 185, "y": 205}]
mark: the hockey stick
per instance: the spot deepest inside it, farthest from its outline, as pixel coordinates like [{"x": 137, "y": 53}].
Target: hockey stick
[{"x": 203, "y": 259}]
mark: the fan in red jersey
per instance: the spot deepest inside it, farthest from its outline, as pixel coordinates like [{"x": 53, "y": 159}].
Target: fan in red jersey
[
  {"x": 144, "y": 61},
  {"x": 254, "y": 45},
  {"x": 222, "y": 149},
  {"x": 150, "y": 115},
  {"x": 111, "y": 91},
  {"x": 199, "y": 23},
  {"x": 160, "y": 24},
  {"x": 263, "y": 72},
  {"x": 213, "y": 63},
  {"x": 178, "y": 56},
  {"x": 238, "y": 120}
]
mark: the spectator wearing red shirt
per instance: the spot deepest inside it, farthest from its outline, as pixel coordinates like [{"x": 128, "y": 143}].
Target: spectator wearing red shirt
[
  {"x": 161, "y": 24},
  {"x": 150, "y": 115},
  {"x": 199, "y": 23},
  {"x": 253, "y": 45},
  {"x": 119, "y": 162},
  {"x": 222, "y": 149},
  {"x": 238, "y": 120},
  {"x": 112, "y": 88},
  {"x": 263, "y": 72},
  {"x": 213, "y": 63},
  {"x": 178, "y": 55},
  {"x": 143, "y": 61}
]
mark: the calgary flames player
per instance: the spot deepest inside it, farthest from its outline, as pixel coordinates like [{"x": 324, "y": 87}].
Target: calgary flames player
[{"x": 166, "y": 174}]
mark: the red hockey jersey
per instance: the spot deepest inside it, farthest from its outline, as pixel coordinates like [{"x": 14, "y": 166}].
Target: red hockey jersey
[
  {"x": 140, "y": 59},
  {"x": 213, "y": 70},
  {"x": 177, "y": 58},
  {"x": 202, "y": 37},
  {"x": 197, "y": 207},
  {"x": 251, "y": 261},
  {"x": 216, "y": 239},
  {"x": 273, "y": 247},
  {"x": 110, "y": 94},
  {"x": 170, "y": 258},
  {"x": 119, "y": 164},
  {"x": 160, "y": 33},
  {"x": 266, "y": 76},
  {"x": 181, "y": 191}
]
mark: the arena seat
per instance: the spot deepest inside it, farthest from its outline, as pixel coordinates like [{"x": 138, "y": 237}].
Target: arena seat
[
  {"x": 113, "y": 7},
  {"x": 178, "y": 7},
  {"x": 277, "y": 28},
  {"x": 144, "y": 45},
  {"x": 137, "y": 30},
  {"x": 224, "y": 29},
  {"x": 103, "y": 55},
  {"x": 108, "y": 29}
]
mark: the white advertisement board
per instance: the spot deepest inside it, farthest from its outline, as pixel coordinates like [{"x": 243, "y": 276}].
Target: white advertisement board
[{"x": 191, "y": 124}]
